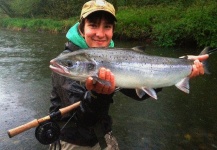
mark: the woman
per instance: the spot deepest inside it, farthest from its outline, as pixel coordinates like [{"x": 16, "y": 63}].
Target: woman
[{"x": 89, "y": 126}]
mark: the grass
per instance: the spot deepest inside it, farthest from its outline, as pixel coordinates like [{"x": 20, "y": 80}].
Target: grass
[{"x": 163, "y": 25}]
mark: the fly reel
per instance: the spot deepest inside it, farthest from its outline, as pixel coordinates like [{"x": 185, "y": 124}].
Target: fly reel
[{"x": 47, "y": 133}]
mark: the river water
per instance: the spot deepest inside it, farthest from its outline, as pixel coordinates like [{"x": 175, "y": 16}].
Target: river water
[{"x": 175, "y": 121}]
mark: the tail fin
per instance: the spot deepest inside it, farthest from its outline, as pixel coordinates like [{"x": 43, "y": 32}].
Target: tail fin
[{"x": 205, "y": 64}]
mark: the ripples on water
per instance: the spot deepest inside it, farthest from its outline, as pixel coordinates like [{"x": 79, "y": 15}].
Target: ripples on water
[{"x": 175, "y": 121}]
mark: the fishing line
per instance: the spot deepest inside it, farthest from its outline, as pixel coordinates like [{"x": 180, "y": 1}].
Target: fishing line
[
  {"x": 68, "y": 121},
  {"x": 212, "y": 51}
]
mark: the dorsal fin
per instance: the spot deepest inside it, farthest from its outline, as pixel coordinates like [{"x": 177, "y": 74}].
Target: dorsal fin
[{"x": 140, "y": 49}]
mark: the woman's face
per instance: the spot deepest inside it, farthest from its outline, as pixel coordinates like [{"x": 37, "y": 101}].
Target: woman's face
[{"x": 98, "y": 34}]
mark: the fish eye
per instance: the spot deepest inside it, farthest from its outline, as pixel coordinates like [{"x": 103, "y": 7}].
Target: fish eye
[{"x": 69, "y": 63}]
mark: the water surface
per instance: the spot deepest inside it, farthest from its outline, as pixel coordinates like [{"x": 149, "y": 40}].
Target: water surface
[{"x": 175, "y": 121}]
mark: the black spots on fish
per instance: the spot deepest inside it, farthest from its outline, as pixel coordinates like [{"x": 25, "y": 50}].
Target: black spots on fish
[
  {"x": 92, "y": 59},
  {"x": 171, "y": 66},
  {"x": 102, "y": 56},
  {"x": 151, "y": 70}
]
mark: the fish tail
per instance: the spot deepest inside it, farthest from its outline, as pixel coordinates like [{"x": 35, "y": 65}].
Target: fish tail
[
  {"x": 205, "y": 51},
  {"x": 205, "y": 63},
  {"x": 206, "y": 70}
]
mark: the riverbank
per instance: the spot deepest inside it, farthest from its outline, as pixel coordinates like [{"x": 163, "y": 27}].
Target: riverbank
[{"x": 163, "y": 25}]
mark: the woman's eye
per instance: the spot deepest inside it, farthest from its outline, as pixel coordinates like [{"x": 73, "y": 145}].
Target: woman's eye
[
  {"x": 108, "y": 26},
  {"x": 93, "y": 25}
]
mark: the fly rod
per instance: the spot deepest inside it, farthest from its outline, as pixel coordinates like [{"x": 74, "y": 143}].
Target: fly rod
[{"x": 36, "y": 122}]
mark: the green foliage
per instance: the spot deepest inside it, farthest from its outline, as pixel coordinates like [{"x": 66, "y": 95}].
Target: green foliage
[
  {"x": 193, "y": 24},
  {"x": 132, "y": 23},
  {"x": 2, "y": 14},
  {"x": 200, "y": 23},
  {"x": 58, "y": 9},
  {"x": 24, "y": 8},
  {"x": 142, "y": 23},
  {"x": 6, "y": 8},
  {"x": 170, "y": 25},
  {"x": 166, "y": 25},
  {"x": 61, "y": 9},
  {"x": 181, "y": 22},
  {"x": 49, "y": 25},
  {"x": 142, "y": 3}
]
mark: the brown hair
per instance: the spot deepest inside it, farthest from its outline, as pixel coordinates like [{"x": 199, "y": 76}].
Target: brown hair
[{"x": 96, "y": 17}]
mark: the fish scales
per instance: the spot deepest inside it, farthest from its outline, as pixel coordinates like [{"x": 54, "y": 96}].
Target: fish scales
[
  {"x": 132, "y": 69},
  {"x": 140, "y": 69}
]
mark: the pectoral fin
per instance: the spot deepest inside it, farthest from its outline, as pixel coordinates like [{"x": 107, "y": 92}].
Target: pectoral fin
[
  {"x": 142, "y": 91},
  {"x": 205, "y": 63},
  {"x": 104, "y": 82},
  {"x": 183, "y": 85}
]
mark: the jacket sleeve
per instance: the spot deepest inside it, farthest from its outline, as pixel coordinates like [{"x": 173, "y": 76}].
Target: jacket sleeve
[{"x": 66, "y": 91}]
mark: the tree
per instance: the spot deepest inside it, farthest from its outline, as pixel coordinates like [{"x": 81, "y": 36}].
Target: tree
[
  {"x": 115, "y": 3},
  {"x": 6, "y": 8}
]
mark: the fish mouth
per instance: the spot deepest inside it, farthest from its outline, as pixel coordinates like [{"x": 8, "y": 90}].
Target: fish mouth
[{"x": 55, "y": 67}]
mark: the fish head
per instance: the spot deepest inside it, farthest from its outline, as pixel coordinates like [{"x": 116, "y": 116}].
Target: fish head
[{"x": 76, "y": 66}]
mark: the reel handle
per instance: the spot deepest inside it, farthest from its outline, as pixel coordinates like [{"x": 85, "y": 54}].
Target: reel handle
[{"x": 36, "y": 122}]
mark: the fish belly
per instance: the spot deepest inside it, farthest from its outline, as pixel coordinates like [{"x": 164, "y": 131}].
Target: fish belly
[{"x": 149, "y": 77}]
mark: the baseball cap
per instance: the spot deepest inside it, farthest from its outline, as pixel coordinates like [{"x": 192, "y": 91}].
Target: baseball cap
[{"x": 97, "y": 5}]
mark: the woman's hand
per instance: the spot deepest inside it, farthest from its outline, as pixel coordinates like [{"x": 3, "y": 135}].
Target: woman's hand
[
  {"x": 104, "y": 74},
  {"x": 197, "y": 67}
]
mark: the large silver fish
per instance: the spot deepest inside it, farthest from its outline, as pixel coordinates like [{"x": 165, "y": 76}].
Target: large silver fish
[{"x": 132, "y": 69}]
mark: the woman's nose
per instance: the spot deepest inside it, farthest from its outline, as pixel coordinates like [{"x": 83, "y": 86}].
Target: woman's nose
[{"x": 100, "y": 32}]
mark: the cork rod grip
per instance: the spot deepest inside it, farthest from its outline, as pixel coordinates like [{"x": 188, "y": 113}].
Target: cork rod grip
[
  {"x": 27, "y": 126},
  {"x": 36, "y": 122}
]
